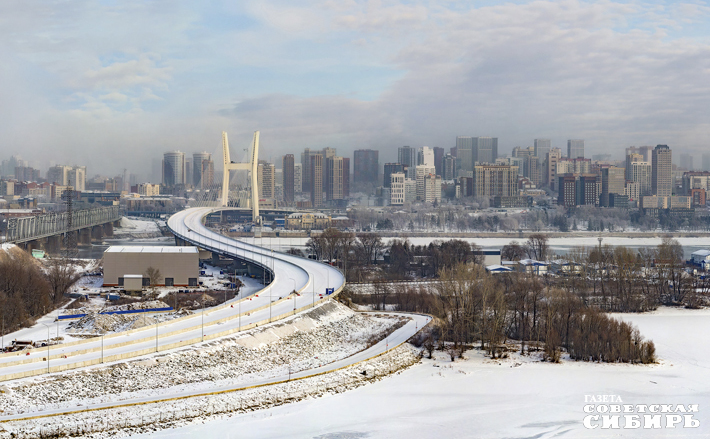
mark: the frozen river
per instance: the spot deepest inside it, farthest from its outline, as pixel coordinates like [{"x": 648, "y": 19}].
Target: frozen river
[{"x": 560, "y": 246}]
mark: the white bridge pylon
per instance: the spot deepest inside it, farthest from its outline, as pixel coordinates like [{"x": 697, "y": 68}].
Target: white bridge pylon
[{"x": 251, "y": 167}]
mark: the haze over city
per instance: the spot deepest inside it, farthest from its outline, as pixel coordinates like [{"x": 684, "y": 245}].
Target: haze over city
[{"x": 112, "y": 85}]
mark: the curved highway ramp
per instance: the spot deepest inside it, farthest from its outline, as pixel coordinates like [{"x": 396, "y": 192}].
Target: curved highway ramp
[{"x": 307, "y": 278}]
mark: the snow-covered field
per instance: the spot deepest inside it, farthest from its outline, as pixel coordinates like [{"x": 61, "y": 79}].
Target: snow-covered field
[{"x": 512, "y": 398}]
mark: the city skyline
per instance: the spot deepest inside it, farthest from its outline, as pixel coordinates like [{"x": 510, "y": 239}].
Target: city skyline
[{"x": 108, "y": 85}]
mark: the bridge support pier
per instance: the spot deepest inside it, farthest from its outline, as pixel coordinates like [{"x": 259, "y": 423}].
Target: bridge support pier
[
  {"x": 108, "y": 228},
  {"x": 54, "y": 244},
  {"x": 36, "y": 244},
  {"x": 85, "y": 236},
  {"x": 97, "y": 233}
]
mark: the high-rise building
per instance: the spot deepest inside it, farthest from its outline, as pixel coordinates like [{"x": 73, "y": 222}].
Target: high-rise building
[
  {"x": 316, "y": 179},
  {"x": 532, "y": 170},
  {"x": 662, "y": 171},
  {"x": 523, "y": 152},
  {"x": 495, "y": 180},
  {"x": 448, "y": 171},
  {"x": 77, "y": 178},
  {"x": 328, "y": 153},
  {"x": 397, "y": 188},
  {"x": 686, "y": 162},
  {"x": 207, "y": 174},
  {"x": 645, "y": 151},
  {"x": 567, "y": 190},
  {"x": 298, "y": 178},
  {"x": 187, "y": 172},
  {"x": 334, "y": 179},
  {"x": 553, "y": 157},
  {"x": 706, "y": 162},
  {"x": 365, "y": 166},
  {"x": 439, "y": 160},
  {"x": 306, "y": 164},
  {"x": 59, "y": 175},
  {"x": 432, "y": 188},
  {"x": 613, "y": 182},
  {"x": 346, "y": 177},
  {"x": 425, "y": 156},
  {"x": 26, "y": 173},
  {"x": 74, "y": 176},
  {"x": 640, "y": 173},
  {"x": 485, "y": 150},
  {"x": 541, "y": 147},
  {"x": 530, "y": 165},
  {"x": 423, "y": 171},
  {"x": 389, "y": 169},
  {"x": 288, "y": 178},
  {"x": 174, "y": 168},
  {"x": 7, "y": 168},
  {"x": 464, "y": 154},
  {"x": 578, "y": 190},
  {"x": 198, "y": 166},
  {"x": 266, "y": 179},
  {"x": 575, "y": 149},
  {"x": 407, "y": 156}
]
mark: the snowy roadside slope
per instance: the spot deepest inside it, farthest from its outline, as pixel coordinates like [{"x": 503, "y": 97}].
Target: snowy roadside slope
[
  {"x": 328, "y": 333},
  {"x": 481, "y": 398}
]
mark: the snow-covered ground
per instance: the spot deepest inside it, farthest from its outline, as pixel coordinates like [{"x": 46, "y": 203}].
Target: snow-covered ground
[
  {"x": 512, "y": 398},
  {"x": 131, "y": 227},
  {"x": 325, "y": 335},
  {"x": 92, "y": 285}
]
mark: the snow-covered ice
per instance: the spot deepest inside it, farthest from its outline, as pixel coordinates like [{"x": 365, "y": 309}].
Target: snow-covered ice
[{"x": 512, "y": 398}]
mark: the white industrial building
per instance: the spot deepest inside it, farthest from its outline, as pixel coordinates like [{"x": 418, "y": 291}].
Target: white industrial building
[{"x": 178, "y": 266}]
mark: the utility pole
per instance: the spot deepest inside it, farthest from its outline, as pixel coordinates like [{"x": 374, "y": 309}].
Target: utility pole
[
  {"x": 47, "y": 326},
  {"x": 70, "y": 251}
]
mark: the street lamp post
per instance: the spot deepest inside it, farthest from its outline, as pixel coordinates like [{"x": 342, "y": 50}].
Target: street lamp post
[
  {"x": 47, "y": 326},
  {"x": 202, "y": 332},
  {"x": 294, "y": 294}
]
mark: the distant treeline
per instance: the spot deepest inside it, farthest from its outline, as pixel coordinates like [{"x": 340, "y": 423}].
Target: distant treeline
[{"x": 472, "y": 307}]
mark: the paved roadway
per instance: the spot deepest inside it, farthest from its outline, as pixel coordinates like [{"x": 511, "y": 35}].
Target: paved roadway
[
  {"x": 310, "y": 278},
  {"x": 395, "y": 339}
]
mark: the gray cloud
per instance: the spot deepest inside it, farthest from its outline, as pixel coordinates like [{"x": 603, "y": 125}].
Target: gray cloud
[{"x": 116, "y": 87}]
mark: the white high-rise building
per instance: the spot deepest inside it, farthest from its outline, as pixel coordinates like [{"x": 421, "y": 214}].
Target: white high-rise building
[
  {"x": 397, "y": 188},
  {"x": 640, "y": 172},
  {"x": 432, "y": 188},
  {"x": 74, "y": 176},
  {"x": 425, "y": 156},
  {"x": 423, "y": 171}
]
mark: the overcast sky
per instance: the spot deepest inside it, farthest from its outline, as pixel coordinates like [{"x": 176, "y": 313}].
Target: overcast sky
[{"x": 115, "y": 84}]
